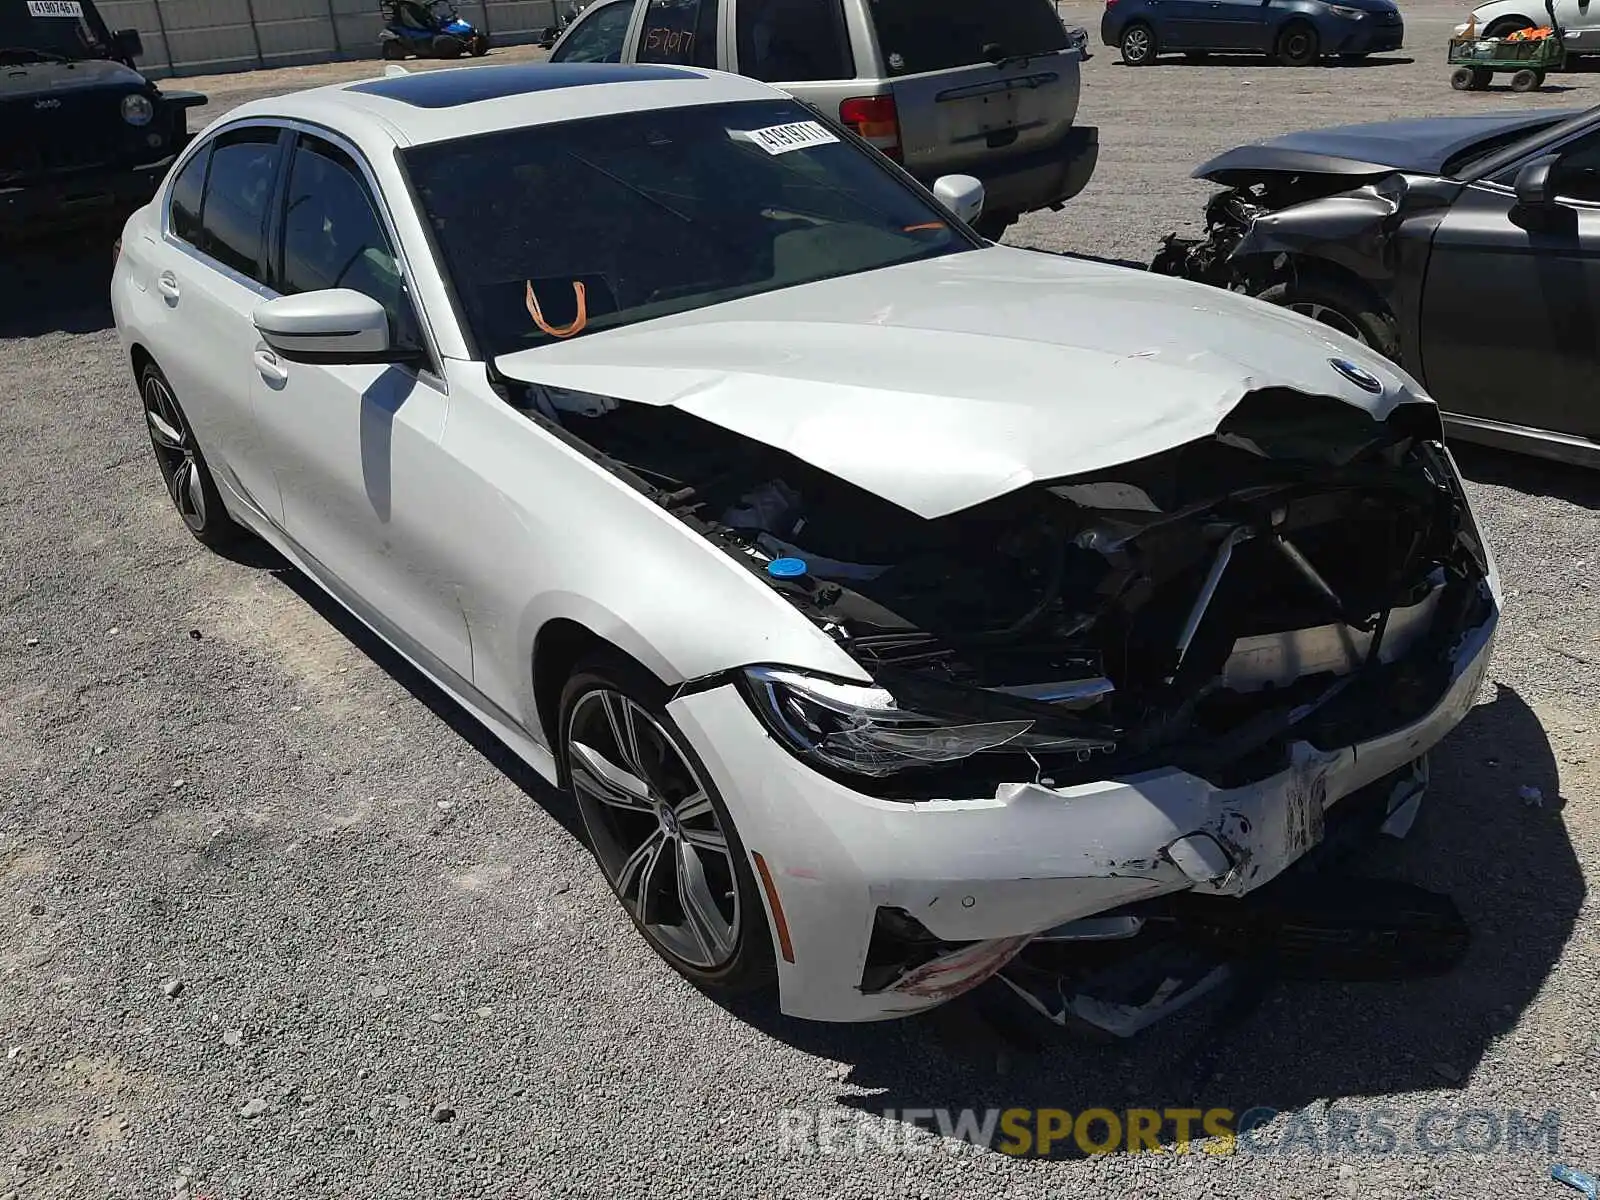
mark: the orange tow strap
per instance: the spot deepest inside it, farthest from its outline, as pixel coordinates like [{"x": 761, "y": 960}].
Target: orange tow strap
[{"x": 578, "y": 322}]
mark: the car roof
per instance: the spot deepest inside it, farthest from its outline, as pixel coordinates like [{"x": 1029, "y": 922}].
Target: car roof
[{"x": 415, "y": 108}]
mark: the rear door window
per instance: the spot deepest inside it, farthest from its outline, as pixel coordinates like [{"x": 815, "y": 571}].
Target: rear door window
[
  {"x": 680, "y": 32},
  {"x": 244, "y": 165},
  {"x": 598, "y": 36},
  {"x": 935, "y": 35},
  {"x": 183, "y": 214},
  {"x": 795, "y": 41}
]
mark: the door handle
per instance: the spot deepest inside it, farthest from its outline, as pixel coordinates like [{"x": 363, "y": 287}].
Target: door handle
[
  {"x": 167, "y": 285},
  {"x": 270, "y": 368}
]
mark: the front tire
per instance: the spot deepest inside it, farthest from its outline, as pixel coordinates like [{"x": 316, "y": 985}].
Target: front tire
[
  {"x": 393, "y": 49},
  {"x": 1297, "y": 45},
  {"x": 480, "y": 45},
  {"x": 1506, "y": 26},
  {"x": 1138, "y": 45},
  {"x": 183, "y": 467},
  {"x": 1341, "y": 306},
  {"x": 1525, "y": 80},
  {"x": 659, "y": 829},
  {"x": 447, "y": 47}
]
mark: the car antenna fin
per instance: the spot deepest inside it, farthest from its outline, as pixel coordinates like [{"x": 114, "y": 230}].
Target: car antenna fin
[{"x": 394, "y": 69}]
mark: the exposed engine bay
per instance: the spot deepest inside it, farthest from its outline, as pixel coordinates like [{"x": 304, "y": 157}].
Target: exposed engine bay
[{"x": 1304, "y": 571}]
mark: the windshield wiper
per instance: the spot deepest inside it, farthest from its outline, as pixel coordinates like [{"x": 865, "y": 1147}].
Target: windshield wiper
[{"x": 40, "y": 55}]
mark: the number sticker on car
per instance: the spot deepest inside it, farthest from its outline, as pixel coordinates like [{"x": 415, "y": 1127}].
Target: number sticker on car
[
  {"x": 780, "y": 139},
  {"x": 55, "y": 8}
]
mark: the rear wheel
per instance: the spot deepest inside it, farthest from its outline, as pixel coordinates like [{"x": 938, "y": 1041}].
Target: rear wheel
[
  {"x": 1342, "y": 307},
  {"x": 183, "y": 468},
  {"x": 1524, "y": 80},
  {"x": 447, "y": 47},
  {"x": 1297, "y": 45},
  {"x": 1138, "y": 45},
  {"x": 659, "y": 829},
  {"x": 393, "y": 49},
  {"x": 1463, "y": 79}
]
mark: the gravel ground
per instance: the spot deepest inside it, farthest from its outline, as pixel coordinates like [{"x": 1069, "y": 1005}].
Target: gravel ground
[{"x": 275, "y": 920}]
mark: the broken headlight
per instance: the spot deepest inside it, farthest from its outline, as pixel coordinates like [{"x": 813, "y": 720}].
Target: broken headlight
[{"x": 862, "y": 730}]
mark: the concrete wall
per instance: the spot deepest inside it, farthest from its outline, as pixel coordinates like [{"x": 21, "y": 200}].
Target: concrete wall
[{"x": 204, "y": 37}]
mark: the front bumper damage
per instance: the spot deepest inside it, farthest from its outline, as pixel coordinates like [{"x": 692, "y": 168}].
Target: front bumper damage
[{"x": 983, "y": 884}]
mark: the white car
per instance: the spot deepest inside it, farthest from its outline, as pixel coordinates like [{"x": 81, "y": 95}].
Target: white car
[
  {"x": 893, "y": 603},
  {"x": 1578, "y": 20}
]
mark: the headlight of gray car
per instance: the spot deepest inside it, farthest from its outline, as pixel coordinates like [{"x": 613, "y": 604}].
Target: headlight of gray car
[
  {"x": 861, "y": 729},
  {"x": 137, "y": 109},
  {"x": 1349, "y": 14}
]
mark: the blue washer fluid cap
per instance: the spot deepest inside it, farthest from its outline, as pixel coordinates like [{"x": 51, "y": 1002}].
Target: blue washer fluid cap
[{"x": 787, "y": 568}]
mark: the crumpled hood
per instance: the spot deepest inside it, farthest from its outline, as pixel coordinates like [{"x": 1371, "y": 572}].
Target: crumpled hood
[
  {"x": 1422, "y": 146},
  {"x": 941, "y": 384}
]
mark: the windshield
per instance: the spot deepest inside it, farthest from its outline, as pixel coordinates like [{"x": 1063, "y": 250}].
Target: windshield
[
  {"x": 45, "y": 30},
  {"x": 556, "y": 231},
  {"x": 937, "y": 35}
]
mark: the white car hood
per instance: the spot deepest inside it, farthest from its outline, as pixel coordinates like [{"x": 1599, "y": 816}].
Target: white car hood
[{"x": 941, "y": 384}]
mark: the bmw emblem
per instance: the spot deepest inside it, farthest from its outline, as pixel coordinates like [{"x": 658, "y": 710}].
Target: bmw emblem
[{"x": 1360, "y": 376}]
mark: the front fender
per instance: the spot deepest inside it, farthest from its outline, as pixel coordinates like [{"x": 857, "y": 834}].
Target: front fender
[{"x": 1352, "y": 231}]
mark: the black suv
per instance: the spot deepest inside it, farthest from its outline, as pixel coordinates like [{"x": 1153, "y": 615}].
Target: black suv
[{"x": 83, "y": 135}]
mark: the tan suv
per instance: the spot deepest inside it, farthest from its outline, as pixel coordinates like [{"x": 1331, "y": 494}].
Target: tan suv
[{"x": 987, "y": 88}]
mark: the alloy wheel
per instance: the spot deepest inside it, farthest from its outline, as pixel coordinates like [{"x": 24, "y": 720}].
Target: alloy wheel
[
  {"x": 654, "y": 829},
  {"x": 1136, "y": 45},
  {"x": 176, "y": 452},
  {"x": 1330, "y": 317}
]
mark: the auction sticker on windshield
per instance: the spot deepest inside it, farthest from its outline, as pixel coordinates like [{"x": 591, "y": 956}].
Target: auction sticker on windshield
[
  {"x": 780, "y": 139},
  {"x": 55, "y": 8}
]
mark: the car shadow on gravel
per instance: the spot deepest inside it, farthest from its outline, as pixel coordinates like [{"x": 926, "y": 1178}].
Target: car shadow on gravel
[
  {"x": 1509, "y": 866},
  {"x": 423, "y": 689},
  {"x": 56, "y": 285},
  {"x": 1531, "y": 476}
]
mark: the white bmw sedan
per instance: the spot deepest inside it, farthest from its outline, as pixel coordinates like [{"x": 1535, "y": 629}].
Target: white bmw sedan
[{"x": 894, "y": 605}]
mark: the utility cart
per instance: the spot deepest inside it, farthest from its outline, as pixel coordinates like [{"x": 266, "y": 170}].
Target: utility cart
[{"x": 1478, "y": 59}]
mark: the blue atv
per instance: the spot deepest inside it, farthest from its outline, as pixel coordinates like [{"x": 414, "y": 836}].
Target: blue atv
[{"x": 428, "y": 29}]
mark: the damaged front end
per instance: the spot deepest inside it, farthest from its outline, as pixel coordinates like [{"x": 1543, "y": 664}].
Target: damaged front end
[
  {"x": 1236, "y": 611},
  {"x": 1266, "y": 227}
]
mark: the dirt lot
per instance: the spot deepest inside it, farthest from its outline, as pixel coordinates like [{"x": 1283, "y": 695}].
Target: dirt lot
[{"x": 394, "y": 972}]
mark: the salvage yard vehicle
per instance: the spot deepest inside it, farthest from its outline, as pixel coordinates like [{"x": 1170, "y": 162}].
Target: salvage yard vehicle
[
  {"x": 1297, "y": 33},
  {"x": 1578, "y": 20},
  {"x": 428, "y": 29},
  {"x": 940, "y": 86},
  {"x": 896, "y": 607},
  {"x": 87, "y": 137},
  {"x": 1467, "y": 249}
]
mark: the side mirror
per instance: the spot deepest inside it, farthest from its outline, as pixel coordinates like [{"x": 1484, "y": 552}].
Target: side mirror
[
  {"x": 961, "y": 194},
  {"x": 333, "y": 326},
  {"x": 1536, "y": 184},
  {"x": 127, "y": 43}
]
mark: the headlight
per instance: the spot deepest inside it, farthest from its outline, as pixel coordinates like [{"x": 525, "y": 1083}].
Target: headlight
[
  {"x": 137, "y": 109},
  {"x": 1349, "y": 14},
  {"x": 861, "y": 729}
]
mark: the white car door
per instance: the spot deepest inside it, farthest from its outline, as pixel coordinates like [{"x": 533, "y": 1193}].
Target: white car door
[
  {"x": 355, "y": 445},
  {"x": 209, "y": 268},
  {"x": 1579, "y": 21}
]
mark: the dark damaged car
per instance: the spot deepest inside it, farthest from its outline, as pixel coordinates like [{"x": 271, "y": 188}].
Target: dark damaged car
[
  {"x": 84, "y": 137},
  {"x": 1465, "y": 248}
]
